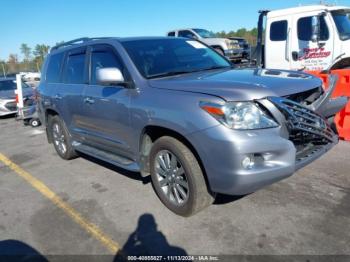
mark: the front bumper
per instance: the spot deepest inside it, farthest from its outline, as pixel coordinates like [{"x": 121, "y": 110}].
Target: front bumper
[
  {"x": 275, "y": 155},
  {"x": 7, "y": 107},
  {"x": 234, "y": 53}
]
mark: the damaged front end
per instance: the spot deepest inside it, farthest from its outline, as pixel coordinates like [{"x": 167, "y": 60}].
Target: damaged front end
[
  {"x": 320, "y": 101},
  {"x": 306, "y": 116}
]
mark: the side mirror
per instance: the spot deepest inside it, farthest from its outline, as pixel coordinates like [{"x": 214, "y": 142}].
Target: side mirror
[
  {"x": 109, "y": 76},
  {"x": 315, "y": 24}
]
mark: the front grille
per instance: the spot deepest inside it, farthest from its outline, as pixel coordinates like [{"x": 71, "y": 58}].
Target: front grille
[
  {"x": 307, "y": 130},
  {"x": 11, "y": 106}
]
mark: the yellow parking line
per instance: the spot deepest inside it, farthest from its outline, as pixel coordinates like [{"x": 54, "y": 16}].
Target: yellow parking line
[{"x": 107, "y": 241}]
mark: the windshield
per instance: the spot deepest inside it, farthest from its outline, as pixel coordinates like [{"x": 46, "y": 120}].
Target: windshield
[
  {"x": 204, "y": 33},
  {"x": 342, "y": 21},
  {"x": 168, "y": 56},
  {"x": 10, "y": 85}
]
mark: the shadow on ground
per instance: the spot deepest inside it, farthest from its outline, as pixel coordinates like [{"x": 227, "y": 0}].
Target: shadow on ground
[
  {"x": 147, "y": 240},
  {"x": 129, "y": 174},
  {"x": 14, "y": 250},
  {"x": 222, "y": 199}
]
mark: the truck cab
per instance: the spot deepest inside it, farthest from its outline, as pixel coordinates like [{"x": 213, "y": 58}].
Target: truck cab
[
  {"x": 308, "y": 38},
  {"x": 224, "y": 46}
]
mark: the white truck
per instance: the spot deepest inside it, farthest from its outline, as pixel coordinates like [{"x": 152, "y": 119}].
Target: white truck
[
  {"x": 306, "y": 38},
  {"x": 224, "y": 46},
  {"x": 313, "y": 38}
]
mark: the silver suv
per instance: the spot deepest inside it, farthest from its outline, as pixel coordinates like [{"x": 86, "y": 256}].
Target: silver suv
[{"x": 174, "y": 109}]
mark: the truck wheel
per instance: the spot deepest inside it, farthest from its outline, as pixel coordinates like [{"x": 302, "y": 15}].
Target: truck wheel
[
  {"x": 61, "y": 138},
  {"x": 220, "y": 51},
  {"x": 34, "y": 122},
  {"x": 177, "y": 177}
]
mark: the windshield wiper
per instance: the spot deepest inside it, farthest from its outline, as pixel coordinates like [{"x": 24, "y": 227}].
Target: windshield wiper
[
  {"x": 170, "y": 73},
  {"x": 173, "y": 73}
]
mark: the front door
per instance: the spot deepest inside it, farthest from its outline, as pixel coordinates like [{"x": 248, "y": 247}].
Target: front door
[
  {"x": 306, "y": 54},
  {"x": 106, "y": 107}
]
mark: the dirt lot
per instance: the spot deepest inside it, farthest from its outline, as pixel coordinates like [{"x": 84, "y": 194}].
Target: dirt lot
[{"x": 308, "y": 213}]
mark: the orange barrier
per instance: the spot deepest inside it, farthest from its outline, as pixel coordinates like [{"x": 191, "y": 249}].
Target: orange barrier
[{"x": 342, "y": 119}]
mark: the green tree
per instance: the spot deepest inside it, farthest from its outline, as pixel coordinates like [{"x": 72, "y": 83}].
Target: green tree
[
  {"x": 40, "y": 51},
  {"x": 12, "y": 63},
  {"x": 26, "y": 51}
]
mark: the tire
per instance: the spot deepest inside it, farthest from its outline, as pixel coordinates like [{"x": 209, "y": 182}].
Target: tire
[
  {"x": 219, "y": 50},
  {"x": 34, "y": 122},
  {"x": 167, "y": 177},
  {"x": 61, "y": 138}
]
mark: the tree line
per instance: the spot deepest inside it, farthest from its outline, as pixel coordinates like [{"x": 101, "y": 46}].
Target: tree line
[
  {"x": 33, "y": 58},
  {"x": 32, "y": 61},
  {"x": 250, "y": 35}
]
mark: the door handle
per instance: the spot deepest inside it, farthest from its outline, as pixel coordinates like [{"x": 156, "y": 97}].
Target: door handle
[
  {"x": 295, "y": 55},
  {"x": 89, "y": 100},
  {"x": 58, "y": 97}
]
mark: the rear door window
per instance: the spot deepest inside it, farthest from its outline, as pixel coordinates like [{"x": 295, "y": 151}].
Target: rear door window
[
  {"x": 74, "y": 72},
  {"x": 171, "y": 34}
]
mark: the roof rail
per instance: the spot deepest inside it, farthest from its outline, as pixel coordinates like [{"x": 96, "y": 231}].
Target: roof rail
[{"x": 77, "y": 41}]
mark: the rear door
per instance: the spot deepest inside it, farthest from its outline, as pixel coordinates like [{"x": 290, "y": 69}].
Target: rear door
[
  {"x": 106, "y": 108},
  {"x": 69, "y": 93},
  {"x": 306, "y": 54}
]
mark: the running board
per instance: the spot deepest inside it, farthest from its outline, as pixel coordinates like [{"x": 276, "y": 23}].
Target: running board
[{"x": 107, "y": 157}]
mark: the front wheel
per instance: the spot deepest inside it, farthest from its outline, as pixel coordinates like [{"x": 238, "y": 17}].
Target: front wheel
[{"x": 177, "y": 177}]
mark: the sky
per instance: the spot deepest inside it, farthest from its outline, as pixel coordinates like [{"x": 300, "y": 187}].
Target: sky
[{"x": 51, "y": 21}]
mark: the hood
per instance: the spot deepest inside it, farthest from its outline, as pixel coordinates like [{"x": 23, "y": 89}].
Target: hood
[
  {"x": 218, "y": 41},
  {"x": 240, "y": 85},
  {"x": 10, "y": 94}
]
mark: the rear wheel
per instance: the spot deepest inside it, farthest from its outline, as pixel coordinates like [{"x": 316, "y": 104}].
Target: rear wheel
[
  {"x": 177, "y": 177},
  {"x": 61, "y": 138}
]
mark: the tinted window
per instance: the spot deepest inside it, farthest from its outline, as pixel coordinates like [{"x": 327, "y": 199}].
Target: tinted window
[
  {"x": 186, "y": 33},
  {"x": 54, "y": 68},
  {"x": 305, "y": 29},
  {"x": 342, "y": 21},
  {"x": 101, "y": 59},
  {"x": 171, "y": 56},
  {"x": 171, "y": 34},
  {"x": 278, "y": 31},
  {"x": 74, "y": 70}
]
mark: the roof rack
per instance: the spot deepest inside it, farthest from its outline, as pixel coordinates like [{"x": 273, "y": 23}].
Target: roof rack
[{"x": 77, "y": 41}]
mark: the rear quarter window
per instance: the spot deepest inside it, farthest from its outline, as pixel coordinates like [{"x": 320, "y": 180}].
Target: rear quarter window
[{"x": 54, "y": 68}]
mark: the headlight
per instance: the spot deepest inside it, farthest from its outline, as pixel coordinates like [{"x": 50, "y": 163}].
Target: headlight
[{"x": 240, "y": 115}]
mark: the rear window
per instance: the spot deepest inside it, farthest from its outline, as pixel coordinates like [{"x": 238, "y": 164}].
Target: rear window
[
  {"x": 74, "y": 69},
  {"x": 54, "y": 68},
  {"x": 278, "y": 31}
]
